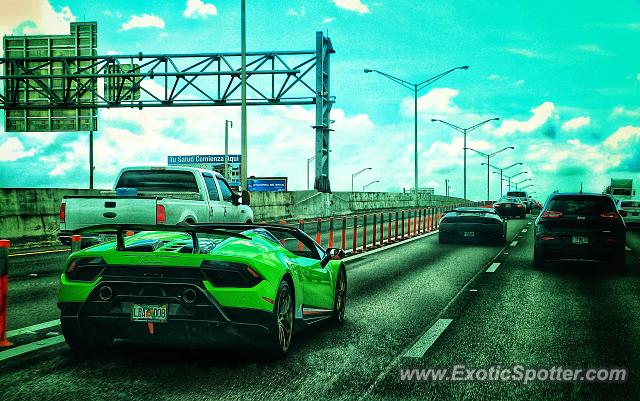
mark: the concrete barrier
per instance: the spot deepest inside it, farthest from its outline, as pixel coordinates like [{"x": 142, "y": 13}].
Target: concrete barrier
[{"x": 31, "y": 215}]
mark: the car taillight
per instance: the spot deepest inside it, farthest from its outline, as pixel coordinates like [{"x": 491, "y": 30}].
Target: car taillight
[
  {"x": 610, "y": 216},
  {"x": 519, "y": 206},
  {"x": 161, "y": 214},
  {"x": 497, "y": 205},
  {"x": 230, "y": 274},
  {"x": 84, "y": 269},
  {"x": 63, "y": 209},
  {"x": 550, "y": 214}
]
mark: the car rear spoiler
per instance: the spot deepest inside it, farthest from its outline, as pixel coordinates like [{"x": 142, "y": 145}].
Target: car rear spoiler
[{"x": 121, "y": 229}]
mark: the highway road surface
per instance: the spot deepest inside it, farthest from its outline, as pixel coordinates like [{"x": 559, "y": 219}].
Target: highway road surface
[{"x": 415, "y": 305}]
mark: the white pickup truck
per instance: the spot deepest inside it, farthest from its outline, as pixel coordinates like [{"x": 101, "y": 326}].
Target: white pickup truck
[{"x": 156, "y": 195}]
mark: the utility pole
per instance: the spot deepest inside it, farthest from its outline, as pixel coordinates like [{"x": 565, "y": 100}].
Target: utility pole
[
  {"x": 243, "y": 91},
  {"x": 446, "y": 187},
  {"x": 91, "y": 167},
  {"x": 227, "y": 124}
]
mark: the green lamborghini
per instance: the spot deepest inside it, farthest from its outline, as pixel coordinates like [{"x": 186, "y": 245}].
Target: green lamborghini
[{"x": 204, "y": 284}]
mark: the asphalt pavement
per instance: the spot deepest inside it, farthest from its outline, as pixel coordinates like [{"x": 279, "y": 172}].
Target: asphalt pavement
[{"x": 416, "y": 305}]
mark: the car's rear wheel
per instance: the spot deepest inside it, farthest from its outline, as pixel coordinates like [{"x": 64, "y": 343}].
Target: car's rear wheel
[
  {"x": 281, "y": 331},
  {"x": 340, "y": 299},
  {"x": 79, "y": 341},
  {"x": 538, "y": 258},
  {"x": 442, "y": 239},
  {"x": 618, "y": 260}
]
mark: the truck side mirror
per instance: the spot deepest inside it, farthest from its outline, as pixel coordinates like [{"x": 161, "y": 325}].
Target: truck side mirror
[{"x": 246, "y": 198}]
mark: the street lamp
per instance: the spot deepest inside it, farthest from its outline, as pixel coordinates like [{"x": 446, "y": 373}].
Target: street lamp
[
  {"x": 415, "y": 87},
  {"x": 527, "y": 186},
  {"x": 501, "y": 172},
  {"x": 369, "y": 184},
  {"x": 489, "y": 156},
  {"x": 464, "y": 133},
  {"x": 518, "y": 183},
  {"x": 354, "y": 175},
  {"x": 227, "y": 124},
  {"x": 513, "y": 176}
]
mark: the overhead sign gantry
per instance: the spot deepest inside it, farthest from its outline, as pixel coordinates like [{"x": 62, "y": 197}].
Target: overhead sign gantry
[{"x": 45, "y": 88}]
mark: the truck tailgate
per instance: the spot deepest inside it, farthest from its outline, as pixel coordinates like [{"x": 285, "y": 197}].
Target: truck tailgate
[{"x": 85, "y": 211}]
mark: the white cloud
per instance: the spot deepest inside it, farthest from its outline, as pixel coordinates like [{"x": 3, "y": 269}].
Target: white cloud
[
  {"x": 144, "y": 21},
  {"x": 519, "y": 82},
  {"x": 329, "y": 20},
  {"x": 576, "y": 123},
  {"x": 623, "y": 136},
  {"x": 352, "y": 5},
  {"x": 638, "y": 76},
  {"x": 622, "y": 111},
  {"x": 541, "y": 115},
  {"x": 522, "y": 52},
  {"x": 495, "y": 77},
  {"x": 590, "y": 48},
  {"x": 12, "y": 149},
  {"x": 31, "y": 17},
  {"x": 296, "y": 13},
  {"x": 199, "y": 9},
  {"x": 438, "y": 101}
]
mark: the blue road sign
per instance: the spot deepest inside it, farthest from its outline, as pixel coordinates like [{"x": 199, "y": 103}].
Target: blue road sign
[{"x": 267, "y": 184}]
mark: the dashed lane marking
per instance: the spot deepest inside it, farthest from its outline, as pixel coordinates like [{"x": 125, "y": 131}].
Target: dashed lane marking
[
  {"x": 32, "y": 329},
  {"x": 36, "y": 345},
  {"x": 493, "y": 267},
  {"x": 514, "y": 243},
  {"x": 626, "y": 248},
  {"x": 426, "y": 341},
  {"x": 524, "y": 230}
]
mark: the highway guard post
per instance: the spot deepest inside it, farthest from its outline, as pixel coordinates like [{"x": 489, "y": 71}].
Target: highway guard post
[{"x": 4, "y": 287}]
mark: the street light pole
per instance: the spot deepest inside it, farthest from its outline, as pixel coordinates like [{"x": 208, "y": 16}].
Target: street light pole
[
  {"x": 354, "y": 175},
  {"x": 369, "y": 184},
  {"x": 415, "y": 87},
  {"x": 465, "y": 131},
  {"x": 489, "y": 156},
  {"x": 446, "y": 187},
  {"x": 227, "y": 124},
  {"x": 502, "y": 170},
  {"x": 243, "y": 95}
]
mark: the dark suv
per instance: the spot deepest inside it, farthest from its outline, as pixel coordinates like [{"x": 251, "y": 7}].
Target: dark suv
[{"x": 579, "y": 226}]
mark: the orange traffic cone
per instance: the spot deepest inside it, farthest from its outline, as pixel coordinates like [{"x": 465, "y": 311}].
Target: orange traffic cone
[{"x": 4, "y": 287}]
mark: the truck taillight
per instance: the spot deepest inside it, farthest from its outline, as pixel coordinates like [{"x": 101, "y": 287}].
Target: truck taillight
[
  {"x": 161, "y": 214},
  {"x": 63, "y": 208}
]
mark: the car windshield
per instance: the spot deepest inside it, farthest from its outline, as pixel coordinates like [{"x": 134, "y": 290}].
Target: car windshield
[{"x": 581, "y": 205}]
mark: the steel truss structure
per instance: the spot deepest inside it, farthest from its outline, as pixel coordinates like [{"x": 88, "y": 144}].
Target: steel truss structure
[{"x": 177, "y": 80}]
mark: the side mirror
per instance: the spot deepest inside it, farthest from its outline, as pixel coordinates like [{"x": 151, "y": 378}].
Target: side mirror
[
  {"x": 235, "y": 199},
  {"x": 623, "y": 213},
  {"x": 332, "y": 254},
  {"x": 246, "y": 198}
]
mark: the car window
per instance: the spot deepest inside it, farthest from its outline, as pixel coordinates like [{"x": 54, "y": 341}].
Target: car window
[
  {"x": 581, "y": 205},
  {"x": 306, "y": 248},
  {"x": 211, "y": 188},
  {"x": 227, "y": 194},
  {"x": 517, "y": 194},
  {"x": 629, "y": 204},
  {"x": 158, "y": 181}
]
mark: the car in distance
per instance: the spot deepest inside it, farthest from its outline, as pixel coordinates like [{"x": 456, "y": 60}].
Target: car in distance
[
  {"x": 509, "y": 206},
  {"x": 632, "y": 207},
  {"x": 205, "y": 284},
  {"x": 472, "y": 224},
  {"x": 579, "y": 226},
  {"x": 524, "y": 197}
]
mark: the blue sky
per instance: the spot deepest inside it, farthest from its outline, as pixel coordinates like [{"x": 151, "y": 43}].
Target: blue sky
[{"x": 564, "y": 79}]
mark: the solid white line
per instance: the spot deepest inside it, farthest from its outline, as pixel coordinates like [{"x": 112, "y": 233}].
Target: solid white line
[
  {"x": 514, "y": 243},
  {"x": 626, "y": 248},
  {"x": 524, "y": 230},
  {"x": 39, "y": 252},
  {"x": 31, "y": 329},
  {"x": 23, "y": 349},
  {"x": 420, "y": 348},
  {"x": 385, "y": 247},
  {"x": 493, "y": 267},
  {"x": 529, "y": 223}
]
